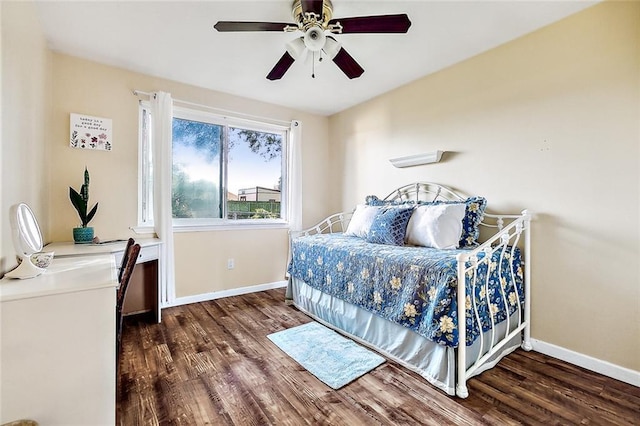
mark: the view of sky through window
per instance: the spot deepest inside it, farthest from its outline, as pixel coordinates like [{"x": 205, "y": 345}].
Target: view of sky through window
[
  {"x": 250, "y": 169},
  {"x": 254, "y": 160},
  {"x": 246, "y": 168}
]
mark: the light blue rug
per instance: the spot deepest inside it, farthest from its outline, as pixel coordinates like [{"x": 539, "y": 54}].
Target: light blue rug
[{"x": 326, "y": 354}]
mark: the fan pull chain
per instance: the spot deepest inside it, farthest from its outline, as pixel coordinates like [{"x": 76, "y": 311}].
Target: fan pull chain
[{"x": 313, "y": 66}]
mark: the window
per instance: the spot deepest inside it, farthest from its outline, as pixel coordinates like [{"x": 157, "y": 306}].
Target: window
[{"x": 225, "y": 171}]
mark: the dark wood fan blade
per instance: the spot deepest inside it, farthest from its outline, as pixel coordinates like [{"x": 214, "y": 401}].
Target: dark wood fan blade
[
  {"x": 374, "y": 24},
  {"x": 228, "y": 26},
  {"x": 314, "y": 6},
  {"x": 281, "y": 67},
  {"x": 347, "y": 64}
]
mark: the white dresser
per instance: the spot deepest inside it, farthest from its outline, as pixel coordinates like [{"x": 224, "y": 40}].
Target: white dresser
[{"x": 57, "y": 359}]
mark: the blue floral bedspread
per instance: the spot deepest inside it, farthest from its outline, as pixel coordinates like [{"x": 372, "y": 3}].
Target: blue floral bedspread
[{"x": 413, "y": 286}]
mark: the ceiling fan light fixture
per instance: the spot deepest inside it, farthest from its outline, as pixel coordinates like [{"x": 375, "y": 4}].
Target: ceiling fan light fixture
[
  {"x": 314, "y": 39},
  {"x": 296, "y": 48},
  {"x": 331, "y": 47}
]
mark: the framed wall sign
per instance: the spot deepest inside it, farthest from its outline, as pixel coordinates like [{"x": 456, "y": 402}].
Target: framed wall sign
[{"x": 88, "y": 132}]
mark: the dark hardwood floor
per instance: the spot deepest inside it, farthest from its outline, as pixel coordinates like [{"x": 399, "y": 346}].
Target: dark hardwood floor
[{"x": 211, "y": 364}]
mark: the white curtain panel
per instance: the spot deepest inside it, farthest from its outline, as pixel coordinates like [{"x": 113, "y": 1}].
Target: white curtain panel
[
  {"x": 294, "y": 213},
  {"x": 295, "y": 176},
  {"x": 161, "y": 139}
]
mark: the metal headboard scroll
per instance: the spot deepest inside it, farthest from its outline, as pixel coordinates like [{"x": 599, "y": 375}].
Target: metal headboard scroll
[{"x": 424, "y": 191}]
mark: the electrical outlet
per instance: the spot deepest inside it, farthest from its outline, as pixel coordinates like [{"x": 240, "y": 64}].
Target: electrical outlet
[{"x": 231, "y": 264}]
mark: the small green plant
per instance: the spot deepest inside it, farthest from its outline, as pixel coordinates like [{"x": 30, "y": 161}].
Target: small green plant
[
  {"x": 81, "y": 200},
  {"x": 263, "y": 214}
]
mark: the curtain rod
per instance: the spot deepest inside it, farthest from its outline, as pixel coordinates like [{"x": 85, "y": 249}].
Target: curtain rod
[{"x": 234, "y": 114}]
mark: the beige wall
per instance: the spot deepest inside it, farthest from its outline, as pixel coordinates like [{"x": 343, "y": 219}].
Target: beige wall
[
  {"x": 258, "y": 260},
  {"x": 549, "y": 122},
  {"x": 85, "y": 87},
  {"x": 26, "y": 106}
]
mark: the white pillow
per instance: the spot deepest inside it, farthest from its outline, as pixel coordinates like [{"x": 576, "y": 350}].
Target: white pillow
[
  {"x": 438, "y": 226},
  {"x": 361, "y": 220}
]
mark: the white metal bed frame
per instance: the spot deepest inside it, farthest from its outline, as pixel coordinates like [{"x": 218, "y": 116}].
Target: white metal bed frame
[{"x": 510, "y": 230}]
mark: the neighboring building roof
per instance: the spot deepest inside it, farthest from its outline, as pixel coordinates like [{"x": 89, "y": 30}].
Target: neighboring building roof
[{"x": 254, "y": 189}]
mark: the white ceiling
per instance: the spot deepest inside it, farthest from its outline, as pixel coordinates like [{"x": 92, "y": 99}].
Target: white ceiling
[{"x": 176, "y": 40}]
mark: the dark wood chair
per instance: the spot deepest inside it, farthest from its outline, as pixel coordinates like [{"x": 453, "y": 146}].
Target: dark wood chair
[
  {"x": 131, "y": 255},
  {"x": 124, "y": 258}
]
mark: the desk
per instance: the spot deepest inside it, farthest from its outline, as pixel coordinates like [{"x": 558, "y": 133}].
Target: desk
[
  {"x": 149, "y": 252},
  {"x": 58, "y": 345}
]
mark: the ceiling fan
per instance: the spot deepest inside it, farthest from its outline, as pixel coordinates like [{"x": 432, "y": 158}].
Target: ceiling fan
[{"x": 314, "y": 19}]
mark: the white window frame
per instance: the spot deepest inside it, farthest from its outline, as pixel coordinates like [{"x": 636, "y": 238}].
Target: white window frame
[{"x": 145, "y": 184}]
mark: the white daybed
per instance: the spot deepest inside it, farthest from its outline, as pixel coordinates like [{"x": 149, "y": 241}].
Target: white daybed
[{"x": 495, "y": 300}]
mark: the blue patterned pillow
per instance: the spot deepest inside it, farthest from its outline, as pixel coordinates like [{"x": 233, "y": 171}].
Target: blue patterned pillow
[
  {"x": 389, "y": 226},
  {"x": 471, "y": 222}
]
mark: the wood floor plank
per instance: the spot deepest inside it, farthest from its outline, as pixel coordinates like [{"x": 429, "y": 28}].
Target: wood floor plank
[
  {"x": 575, "y": 388},
  {"x": 503, "y": 397},
  {"x": 539, "y": 396},
  {"x": 211, "y": 363}
]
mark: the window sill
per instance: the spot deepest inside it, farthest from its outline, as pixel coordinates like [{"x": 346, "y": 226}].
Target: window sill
[
  {"x": 230, "y": 226},
  {"x": 143, "y": 229}
]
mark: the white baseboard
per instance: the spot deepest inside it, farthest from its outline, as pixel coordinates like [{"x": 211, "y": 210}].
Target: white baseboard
[
  {"x": 602, "y": 367},
  {"x": 225, "y": 293}
]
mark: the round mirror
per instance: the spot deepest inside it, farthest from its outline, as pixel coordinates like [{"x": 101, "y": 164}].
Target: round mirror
[{"x": 27, "y": 240}]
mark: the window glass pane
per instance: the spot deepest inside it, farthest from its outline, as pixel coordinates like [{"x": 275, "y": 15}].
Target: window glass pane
[
  {"x": 196, "y": 169},
  {"x": 254, "y": 174}
]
